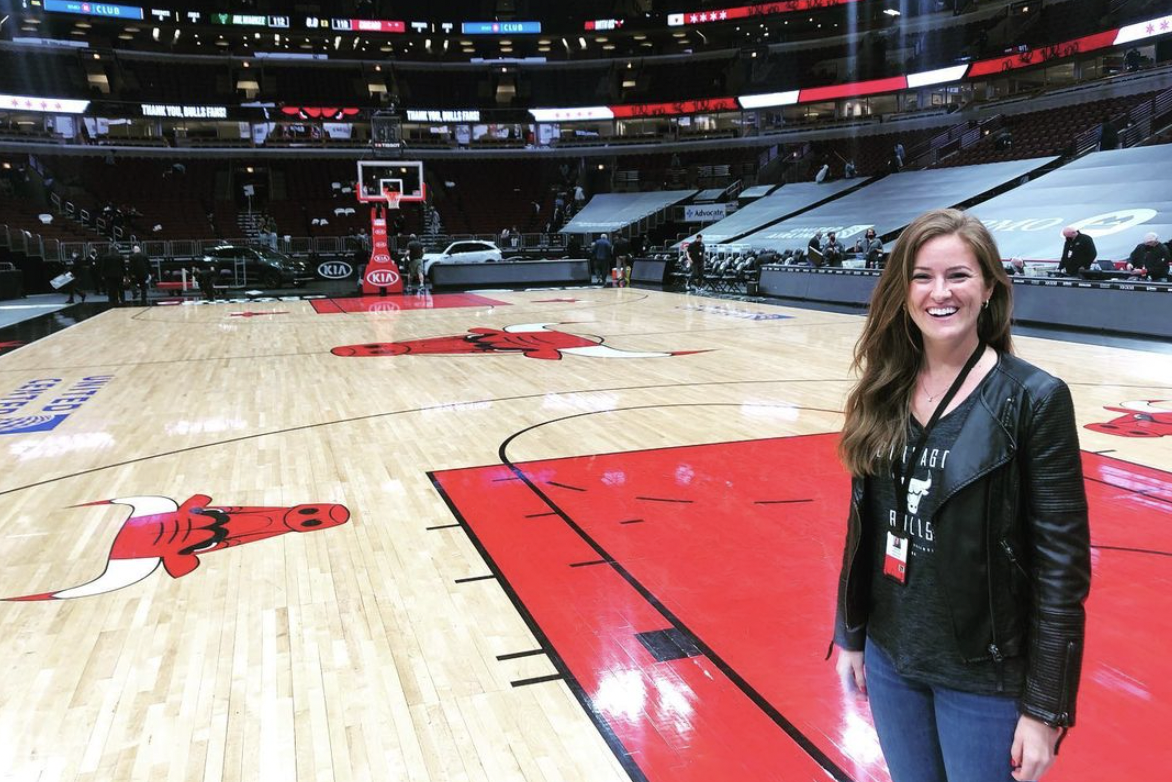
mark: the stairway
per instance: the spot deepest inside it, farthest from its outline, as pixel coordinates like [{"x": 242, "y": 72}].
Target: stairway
[{"x": 250, "y": 224}]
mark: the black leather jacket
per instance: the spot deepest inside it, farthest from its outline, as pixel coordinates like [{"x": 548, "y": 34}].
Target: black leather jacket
[{"x": 1013, "y": 544}]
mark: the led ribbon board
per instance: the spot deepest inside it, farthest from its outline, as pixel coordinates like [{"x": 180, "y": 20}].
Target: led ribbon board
[
  {"x": 500, "y": 28},
  {"x": 46, "y": 105},
  {"x": 749, "y": 11},
  {"x": 94, "y": 9}
]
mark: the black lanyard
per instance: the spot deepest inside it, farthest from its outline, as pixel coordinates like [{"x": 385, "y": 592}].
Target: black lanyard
[{"x": 901, "y": 482}]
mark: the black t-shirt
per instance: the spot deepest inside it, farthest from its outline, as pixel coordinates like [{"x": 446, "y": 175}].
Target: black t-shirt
[{"x": 911, "y": 622}]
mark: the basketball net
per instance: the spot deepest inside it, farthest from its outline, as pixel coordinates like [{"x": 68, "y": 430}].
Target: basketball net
[{"x": 392, "y": 199}]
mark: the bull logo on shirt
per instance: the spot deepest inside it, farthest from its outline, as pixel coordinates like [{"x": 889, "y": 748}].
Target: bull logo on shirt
[{"x": 916, "y": 490}]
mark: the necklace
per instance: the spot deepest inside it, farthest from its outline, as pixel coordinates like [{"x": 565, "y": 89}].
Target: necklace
[{"x": 932, "y": 397}]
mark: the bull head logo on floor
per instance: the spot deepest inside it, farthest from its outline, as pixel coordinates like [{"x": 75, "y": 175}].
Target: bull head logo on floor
[
  {"x": 1150, "y": 418},
  {"x": 532, "y": 340},
  {"x": 160, "y": 532}
]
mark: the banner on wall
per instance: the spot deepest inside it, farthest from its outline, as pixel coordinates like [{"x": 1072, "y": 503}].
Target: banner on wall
[{"x": 705, "y": 213}]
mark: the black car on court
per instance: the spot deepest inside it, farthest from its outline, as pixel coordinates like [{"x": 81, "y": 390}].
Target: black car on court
[{"x": 257, "y": 265}]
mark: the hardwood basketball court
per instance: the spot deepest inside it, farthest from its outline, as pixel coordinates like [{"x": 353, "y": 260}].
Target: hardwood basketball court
[{"x": 545, "y": 535}]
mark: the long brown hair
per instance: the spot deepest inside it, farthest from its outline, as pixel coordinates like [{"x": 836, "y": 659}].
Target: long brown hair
[{"x": 889, "y": 353}]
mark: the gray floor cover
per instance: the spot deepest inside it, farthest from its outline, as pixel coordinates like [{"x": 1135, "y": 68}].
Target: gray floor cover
[
  {"x": 1115, "y": 197},
  {"x": 891, "y": 203},
  {"x": 609, "y": 212},
  {"x": 785, "y": 201}
]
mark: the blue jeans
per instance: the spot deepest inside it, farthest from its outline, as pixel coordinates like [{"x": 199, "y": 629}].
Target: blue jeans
[{"x": 934, "y": 734}]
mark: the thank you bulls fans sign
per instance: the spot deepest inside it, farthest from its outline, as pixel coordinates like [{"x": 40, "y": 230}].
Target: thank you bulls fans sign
[{"x": 382, "y": 273}]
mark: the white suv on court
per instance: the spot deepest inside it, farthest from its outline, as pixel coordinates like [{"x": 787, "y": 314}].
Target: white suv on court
[{"x": 469, "y": 251}]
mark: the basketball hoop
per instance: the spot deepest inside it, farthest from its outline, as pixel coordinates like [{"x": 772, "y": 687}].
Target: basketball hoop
[{"x": 392, "y": 198}]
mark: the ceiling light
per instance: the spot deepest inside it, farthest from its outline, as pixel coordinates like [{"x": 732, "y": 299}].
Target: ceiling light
[{"x": 582, "y": 42}]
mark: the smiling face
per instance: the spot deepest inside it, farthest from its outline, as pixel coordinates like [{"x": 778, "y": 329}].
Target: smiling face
[{"x": 947, "y": 292}]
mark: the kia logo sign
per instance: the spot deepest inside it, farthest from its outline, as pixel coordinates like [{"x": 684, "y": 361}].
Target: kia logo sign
[
  {"x": 380, "y": 258},
  {"x": 382, "y": 278},
  {"x": 335, "y": 270}
]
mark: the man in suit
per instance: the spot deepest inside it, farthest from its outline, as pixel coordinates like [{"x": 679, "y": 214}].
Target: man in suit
[
  {"x": 814, "y": 249},
  {"x": 1078, "y": 252},
  {"x": 113, "y": 271}
]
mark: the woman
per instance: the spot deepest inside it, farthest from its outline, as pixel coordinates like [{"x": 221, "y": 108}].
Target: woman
[{"x": 960, "y": 605}]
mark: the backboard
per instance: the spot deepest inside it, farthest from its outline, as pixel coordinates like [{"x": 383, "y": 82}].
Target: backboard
[{"x": 401, "y": 176}]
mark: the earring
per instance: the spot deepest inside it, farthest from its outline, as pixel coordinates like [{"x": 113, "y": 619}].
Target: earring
[{"x": 986, "y": 304}]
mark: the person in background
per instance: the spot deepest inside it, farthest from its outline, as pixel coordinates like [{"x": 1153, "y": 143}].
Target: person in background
[
  {"x": 601, "y": 258},
  {"x": 1148, "y": 259},
  {"x": 95, "y": 267},
  {"x": 139, "y": 266},
  {"x": 832, "y": 251},
  {"x": 205, "y": 276},
  {"x": 1108, "y": 136},
  {"x": 113, "y": 271},
  {"x": 967, "y": 564},
  {"x": 622, "y": 258},
  {"x": 74, "y": 267},
  {"x": 871, "y": 249},
  {"x": 696, "y": 262},
  {"x": 415, "y": 262},
  {"x": 1078, "y": 251},
  {"x": 814, "y": 249}
]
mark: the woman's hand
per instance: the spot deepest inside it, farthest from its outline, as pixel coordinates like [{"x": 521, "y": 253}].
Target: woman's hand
[
  {"x": 849, "y": 666},
  {"x": 1033, "y": 748}
]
